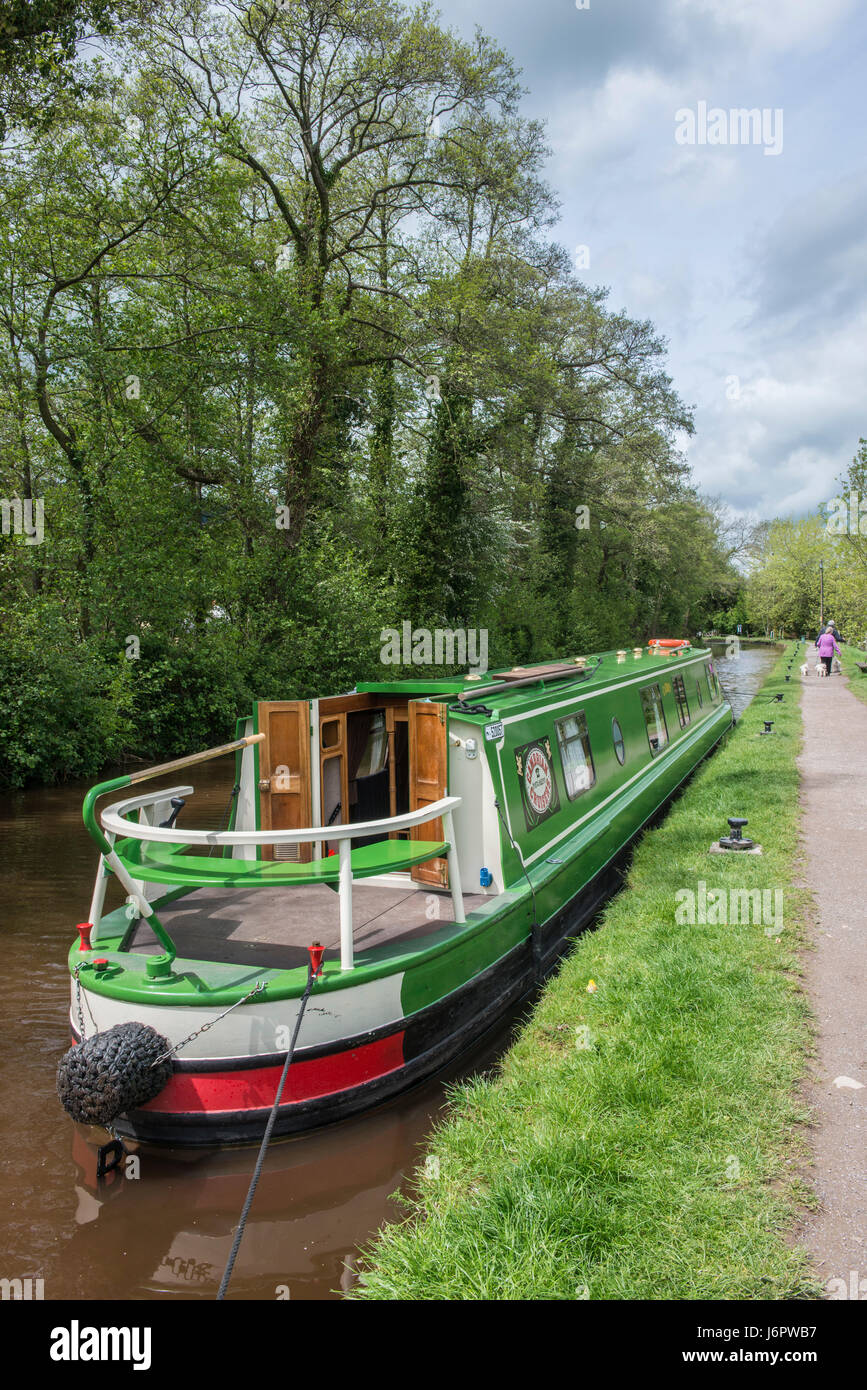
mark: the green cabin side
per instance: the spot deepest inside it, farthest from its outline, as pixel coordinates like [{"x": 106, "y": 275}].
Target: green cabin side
[{"x": 612, "y": 720}]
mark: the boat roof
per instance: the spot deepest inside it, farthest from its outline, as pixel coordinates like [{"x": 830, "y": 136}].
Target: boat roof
[{"x": 496, "y": 690}]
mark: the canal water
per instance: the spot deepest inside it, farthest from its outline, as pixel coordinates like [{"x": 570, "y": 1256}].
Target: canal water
[
  {"x": 742, "y": 669},
  {"x": 168, "y": 1231}
]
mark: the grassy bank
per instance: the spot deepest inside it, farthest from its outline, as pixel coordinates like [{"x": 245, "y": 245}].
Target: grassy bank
[
  {"x": 857, "y": 681},
  {"x": 641, "y": 1140}
]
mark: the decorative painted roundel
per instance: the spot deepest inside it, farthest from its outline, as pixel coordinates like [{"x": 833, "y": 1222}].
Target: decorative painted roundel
[
  {"x": 539, "y": 793},
  {"x": 538, "y": 780}
]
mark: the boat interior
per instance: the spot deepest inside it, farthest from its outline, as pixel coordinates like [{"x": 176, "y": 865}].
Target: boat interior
[{"x": 359, "y": 765}]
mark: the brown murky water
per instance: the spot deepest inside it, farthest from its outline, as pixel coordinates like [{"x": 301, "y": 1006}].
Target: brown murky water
[{"x": 169, "y": 1231}]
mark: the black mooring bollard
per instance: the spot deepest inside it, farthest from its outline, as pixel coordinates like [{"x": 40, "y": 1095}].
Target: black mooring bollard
[{"x": 735, "y": 840}]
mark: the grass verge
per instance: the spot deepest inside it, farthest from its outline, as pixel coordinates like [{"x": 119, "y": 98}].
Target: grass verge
[
  {"x": 642, "y": 1140},
  {"x": 857, "y": 681}
]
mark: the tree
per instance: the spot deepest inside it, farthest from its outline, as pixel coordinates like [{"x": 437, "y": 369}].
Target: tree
[
  {"x": 783, "y": 591},
  {"x": 39, "y": 41},
  {"x": 329, "y": 104}
]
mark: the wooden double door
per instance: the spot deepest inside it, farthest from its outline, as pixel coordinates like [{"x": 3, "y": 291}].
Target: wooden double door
[{"x": 304, "y": 768}]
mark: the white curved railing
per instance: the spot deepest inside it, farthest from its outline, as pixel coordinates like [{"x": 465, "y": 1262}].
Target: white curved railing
[{"x": 114, "y": 821}]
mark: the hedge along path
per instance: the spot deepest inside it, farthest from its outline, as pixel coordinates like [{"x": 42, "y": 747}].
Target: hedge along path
[
  {"x": 642, "y": 1140},
  {"x": 834, "y": 796}
]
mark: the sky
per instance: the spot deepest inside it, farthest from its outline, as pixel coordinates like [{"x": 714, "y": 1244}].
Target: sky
[{"x": 749, "y": 255}]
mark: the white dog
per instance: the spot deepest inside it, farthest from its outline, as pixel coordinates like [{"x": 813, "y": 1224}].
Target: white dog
[
  {"x": 805, "y": 669},
  {"x": 820, "y": 669},
  {"x": 836, "y": 667}
]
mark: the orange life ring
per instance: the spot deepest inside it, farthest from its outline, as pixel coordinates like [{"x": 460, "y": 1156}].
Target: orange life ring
[{"x": 669, "y": 642}]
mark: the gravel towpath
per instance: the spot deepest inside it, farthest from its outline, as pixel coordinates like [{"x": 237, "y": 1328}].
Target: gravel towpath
[{"x": 833, "y": 767}]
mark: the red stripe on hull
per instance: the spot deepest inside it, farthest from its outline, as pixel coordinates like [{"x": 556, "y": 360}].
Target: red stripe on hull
[{"x": 256, "y": 1087}]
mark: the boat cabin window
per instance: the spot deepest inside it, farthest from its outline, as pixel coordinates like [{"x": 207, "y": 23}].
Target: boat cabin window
[
  {"x": 699, "y": 694},
  {"x": 330, "y": 733},
  {"x": 654, "y": 717},
  {"x": 619, "y": 745},
  {"x": 682, "y": 703},
  {"x": 712, "y": 682},
  {"x": 332, "y": 796},
  {"x": 575, "y": 755},
  {"x": 375, "y": 753}
]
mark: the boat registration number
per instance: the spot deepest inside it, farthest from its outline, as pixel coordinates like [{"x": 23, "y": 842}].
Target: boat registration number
[{"x": 493, "y": 732}]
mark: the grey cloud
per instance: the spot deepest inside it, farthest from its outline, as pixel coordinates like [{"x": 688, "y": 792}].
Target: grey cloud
[
  {"x": 812, "y": 265},
  {"x": 560, "y": 47}
]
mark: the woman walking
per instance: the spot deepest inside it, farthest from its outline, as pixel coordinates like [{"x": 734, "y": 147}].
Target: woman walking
[{"x": 827, "y": 646}]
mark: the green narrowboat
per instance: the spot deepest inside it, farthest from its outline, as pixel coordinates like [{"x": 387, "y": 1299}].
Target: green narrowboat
[{"x": 427, "y": 846}]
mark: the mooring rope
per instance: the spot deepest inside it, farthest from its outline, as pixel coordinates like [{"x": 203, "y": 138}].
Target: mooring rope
[{"x": 266, "y": 1139}]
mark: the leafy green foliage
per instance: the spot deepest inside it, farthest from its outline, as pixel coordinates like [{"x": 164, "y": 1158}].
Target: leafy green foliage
[
  {"x": 289, "y": 371},
  {"x": 62, "y": 715}
]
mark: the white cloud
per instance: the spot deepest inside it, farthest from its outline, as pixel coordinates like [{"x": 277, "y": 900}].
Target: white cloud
[
  {"x": 611, "y": 123},
  {"x": 792, "y": 432}
]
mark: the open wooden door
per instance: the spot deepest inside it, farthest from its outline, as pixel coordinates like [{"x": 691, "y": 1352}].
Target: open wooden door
[
  {"x": 428, "y": 775},
  {"x": 284, "y": 773}
]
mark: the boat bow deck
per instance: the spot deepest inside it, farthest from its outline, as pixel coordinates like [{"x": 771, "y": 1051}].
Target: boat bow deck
[{"x": 270, "y": 927}]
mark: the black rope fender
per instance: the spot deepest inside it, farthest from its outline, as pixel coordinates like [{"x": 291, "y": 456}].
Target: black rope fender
[{"x": 113, "y": 1072}]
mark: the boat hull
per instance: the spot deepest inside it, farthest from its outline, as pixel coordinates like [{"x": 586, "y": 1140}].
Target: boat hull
[{"x": 215, "y": 1101}]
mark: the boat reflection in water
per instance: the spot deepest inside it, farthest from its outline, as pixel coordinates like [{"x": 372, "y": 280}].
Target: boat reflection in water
[{"x": 320, "y": 1196}]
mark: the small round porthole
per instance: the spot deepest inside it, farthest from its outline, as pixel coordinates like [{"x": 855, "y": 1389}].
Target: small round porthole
[
  {"x": 698, "y": 693},
  {"x": 619, "y": 746}
]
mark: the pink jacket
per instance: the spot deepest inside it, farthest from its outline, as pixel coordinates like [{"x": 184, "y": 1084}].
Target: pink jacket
[{"x": 826, "y": 645}]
